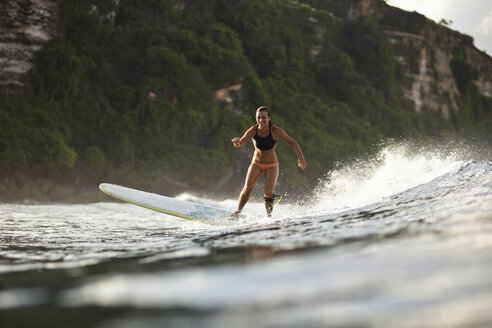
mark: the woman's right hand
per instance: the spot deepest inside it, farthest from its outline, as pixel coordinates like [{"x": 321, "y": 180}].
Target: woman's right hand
[{"x": 236, "y": 141}]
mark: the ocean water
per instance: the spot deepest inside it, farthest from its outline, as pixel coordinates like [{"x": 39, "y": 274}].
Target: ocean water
[{"x": 404, "y": 240}]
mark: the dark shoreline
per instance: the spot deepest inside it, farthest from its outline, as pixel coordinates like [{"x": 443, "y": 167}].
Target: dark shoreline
[{"x": 23, "y": 188}]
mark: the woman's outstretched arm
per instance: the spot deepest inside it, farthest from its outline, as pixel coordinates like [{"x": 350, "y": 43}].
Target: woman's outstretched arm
[
  {"x": 301, "y": 162},
  {"x": 239, "y": 142}
]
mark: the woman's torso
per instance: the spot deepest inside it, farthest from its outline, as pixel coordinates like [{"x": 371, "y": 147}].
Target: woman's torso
[{"x": 265, "y": 140}]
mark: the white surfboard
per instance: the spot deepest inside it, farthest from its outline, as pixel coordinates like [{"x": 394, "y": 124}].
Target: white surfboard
[{"x": 167, "y": 205}]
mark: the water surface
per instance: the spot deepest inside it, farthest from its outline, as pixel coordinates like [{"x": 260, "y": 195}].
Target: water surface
[{"x": 405, "y": 242}]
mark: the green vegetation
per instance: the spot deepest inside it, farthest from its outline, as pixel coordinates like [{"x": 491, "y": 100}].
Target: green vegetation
[
  {"x": 404, "y": 21},
  {"x": 134, "y": 97}
]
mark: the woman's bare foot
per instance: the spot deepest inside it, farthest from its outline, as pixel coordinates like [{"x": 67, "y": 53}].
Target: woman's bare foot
[{"x": 235, "y": 214}]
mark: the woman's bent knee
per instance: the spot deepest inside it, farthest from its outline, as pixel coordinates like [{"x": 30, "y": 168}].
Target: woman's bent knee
[{"x": 247, "y": 191}]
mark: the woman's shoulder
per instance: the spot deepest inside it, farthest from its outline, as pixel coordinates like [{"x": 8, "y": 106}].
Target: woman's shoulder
[
  {"x": 278, "y": 133},
  {"x": 252, "y": 129},
  {"x": 276, "y": 129}
]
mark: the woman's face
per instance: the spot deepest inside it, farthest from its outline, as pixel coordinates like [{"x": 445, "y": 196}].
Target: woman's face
[{"x": 262, "y": 118}]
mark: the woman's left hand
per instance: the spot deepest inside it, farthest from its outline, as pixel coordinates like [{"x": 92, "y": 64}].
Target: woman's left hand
[{"x": 301, "y": 162}]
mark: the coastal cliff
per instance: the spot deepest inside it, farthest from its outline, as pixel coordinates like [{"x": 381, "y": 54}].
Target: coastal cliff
[{"x": 426, "y": 51}]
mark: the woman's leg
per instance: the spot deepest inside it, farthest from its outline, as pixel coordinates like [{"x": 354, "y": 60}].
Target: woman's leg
[
  {"x": 251, "y": 178},
  {"x": 271, "y": 176}
]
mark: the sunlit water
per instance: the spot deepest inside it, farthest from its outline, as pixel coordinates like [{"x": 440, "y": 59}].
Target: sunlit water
[{"x": 403, "y": 242}]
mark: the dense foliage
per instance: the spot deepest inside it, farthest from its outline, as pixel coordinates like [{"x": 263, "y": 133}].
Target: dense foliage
[{"x": 134, "y": 97}]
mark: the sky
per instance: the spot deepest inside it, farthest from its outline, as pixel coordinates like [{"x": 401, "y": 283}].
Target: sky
[{"x": 472, "y": 17}]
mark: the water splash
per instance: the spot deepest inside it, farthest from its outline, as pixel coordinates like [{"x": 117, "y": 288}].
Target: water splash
[{"x": 396, "y": 168}]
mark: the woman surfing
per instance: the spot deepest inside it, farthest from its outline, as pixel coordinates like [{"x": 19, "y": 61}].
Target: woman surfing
[{"x": 265, "y": 136}]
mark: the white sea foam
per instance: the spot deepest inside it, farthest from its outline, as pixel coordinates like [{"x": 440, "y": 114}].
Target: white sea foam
[{"x": 395, "y": 170}]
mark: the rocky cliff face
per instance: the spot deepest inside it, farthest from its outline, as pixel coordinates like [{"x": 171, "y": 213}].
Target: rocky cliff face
[
  {"x": 25, "y": 25},
  {"x": 426, "y": 50}
]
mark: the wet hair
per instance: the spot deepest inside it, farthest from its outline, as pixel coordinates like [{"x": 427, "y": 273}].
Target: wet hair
[{"x": 265, "y": 109}]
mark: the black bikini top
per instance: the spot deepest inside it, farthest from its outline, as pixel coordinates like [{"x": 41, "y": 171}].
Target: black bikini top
[{"x": 266, "y": 143}]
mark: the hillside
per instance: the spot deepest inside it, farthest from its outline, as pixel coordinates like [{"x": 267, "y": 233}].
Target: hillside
[{"x": 149, "y": 93}]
